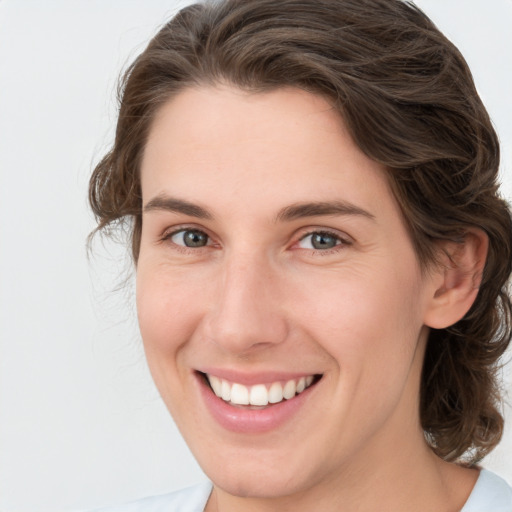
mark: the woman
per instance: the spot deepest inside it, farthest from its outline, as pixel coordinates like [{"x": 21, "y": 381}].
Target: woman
[{"x": 321, "y": 254}]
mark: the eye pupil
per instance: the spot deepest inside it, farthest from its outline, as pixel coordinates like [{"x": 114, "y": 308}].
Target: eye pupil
[
  {"x": 323, "y": 241},
  {"x": 195, "y": 239}
]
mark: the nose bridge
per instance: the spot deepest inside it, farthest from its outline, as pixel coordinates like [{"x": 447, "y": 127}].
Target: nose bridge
[{"x": 246, "y": 313}]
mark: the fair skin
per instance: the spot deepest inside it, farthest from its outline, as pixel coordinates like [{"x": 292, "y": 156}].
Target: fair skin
[{"x": 273, "y": 249}]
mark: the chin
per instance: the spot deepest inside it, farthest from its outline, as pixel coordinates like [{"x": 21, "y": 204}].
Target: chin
[
  {"x": 260, "y": 474},
  {"x": 268, "y": 484}
]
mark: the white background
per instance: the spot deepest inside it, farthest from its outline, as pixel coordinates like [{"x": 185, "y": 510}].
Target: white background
[{"x": 81, "y": 424}]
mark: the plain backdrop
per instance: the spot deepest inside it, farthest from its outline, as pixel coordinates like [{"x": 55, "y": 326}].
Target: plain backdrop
[{"x": 81, "y": 424}]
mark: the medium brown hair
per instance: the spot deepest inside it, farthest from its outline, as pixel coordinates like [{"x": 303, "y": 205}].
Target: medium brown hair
[{"x": 408, "y": 100}]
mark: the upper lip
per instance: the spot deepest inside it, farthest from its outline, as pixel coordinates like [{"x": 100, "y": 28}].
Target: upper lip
[{"x": 251, "y": 379}]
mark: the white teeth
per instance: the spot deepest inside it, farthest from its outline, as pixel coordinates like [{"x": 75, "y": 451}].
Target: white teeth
[
  {"x": 239, "y": 394},
  {"x": 289, "y": 390},
  {"x": 225, "y": 392},
  {"x": 275, "y": 393},
  {"x": 259, "y": 394},
  {"x": 216, "y": 385}
]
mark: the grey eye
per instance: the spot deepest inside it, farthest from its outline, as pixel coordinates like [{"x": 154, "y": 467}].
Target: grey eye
[
  {"x": 190, "y": 238},
  {"x": 319, "y": 241}
]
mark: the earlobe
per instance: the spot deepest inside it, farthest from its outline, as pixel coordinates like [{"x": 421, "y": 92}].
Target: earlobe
[{"x": 457, "y": 278}]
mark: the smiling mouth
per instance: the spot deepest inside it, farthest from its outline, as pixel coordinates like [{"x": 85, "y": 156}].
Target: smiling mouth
[{"x": 259, "y": 395}]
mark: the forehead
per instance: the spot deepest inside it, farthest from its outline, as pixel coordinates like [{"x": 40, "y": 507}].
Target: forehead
[
  {"x": 223, "y": 106},
  {"x": 222, "y": 121},
  {"x": 286, "y": 138}
]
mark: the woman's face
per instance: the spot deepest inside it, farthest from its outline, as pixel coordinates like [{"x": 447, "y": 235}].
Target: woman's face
[{"x": 274, "y": 257}]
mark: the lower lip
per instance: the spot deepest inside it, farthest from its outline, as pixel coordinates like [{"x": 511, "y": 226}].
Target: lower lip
[{"x": 251, "y": 421}]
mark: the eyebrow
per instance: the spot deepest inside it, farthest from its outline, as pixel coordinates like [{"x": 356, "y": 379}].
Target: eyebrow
[
  {"x": 317, "y": 209},
  {"x": 287, "y": 214},
  {"x": 172, "y": 204}
]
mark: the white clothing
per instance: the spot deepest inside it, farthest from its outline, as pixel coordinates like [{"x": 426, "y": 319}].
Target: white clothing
[
  {"x": 490, "y": 494},
  {"x": 191, "y": 499}
]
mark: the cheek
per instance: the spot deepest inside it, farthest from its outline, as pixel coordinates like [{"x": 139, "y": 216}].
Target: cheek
[
  {"x": 368, "y": 323},
  {"x": 167, "y": 311},
  {"x": 167, "y": 314}
]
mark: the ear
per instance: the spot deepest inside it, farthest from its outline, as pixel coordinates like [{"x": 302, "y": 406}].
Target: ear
[{"x": 456, "y": 278}]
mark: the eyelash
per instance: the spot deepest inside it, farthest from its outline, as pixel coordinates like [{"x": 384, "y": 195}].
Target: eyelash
[
  {"x": 167, "y": 237},
  {"x": 342, "y": 242}
]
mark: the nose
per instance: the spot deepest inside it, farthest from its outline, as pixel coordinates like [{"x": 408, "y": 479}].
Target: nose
[{"x": 246, "y": 315}]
